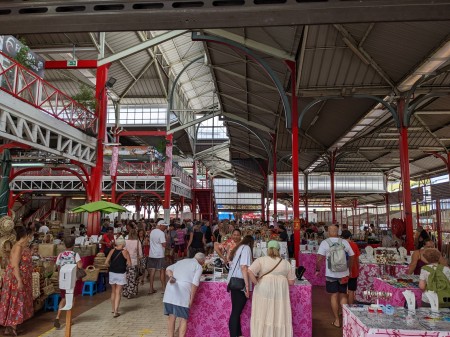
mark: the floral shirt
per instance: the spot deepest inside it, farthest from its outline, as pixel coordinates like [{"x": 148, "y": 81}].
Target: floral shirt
[
  {"x": 227, "y": 246},
  {"x": 67, "y": 257}
]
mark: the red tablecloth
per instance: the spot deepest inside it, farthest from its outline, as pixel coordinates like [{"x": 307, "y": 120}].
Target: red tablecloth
[{"x": 212, "y": 297}]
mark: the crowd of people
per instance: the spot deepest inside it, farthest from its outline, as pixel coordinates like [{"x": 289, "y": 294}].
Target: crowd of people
[{"x": 136, "y": 250}]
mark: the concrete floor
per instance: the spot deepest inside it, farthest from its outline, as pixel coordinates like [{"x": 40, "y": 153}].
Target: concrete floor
[{"x": 143, "y": 317}]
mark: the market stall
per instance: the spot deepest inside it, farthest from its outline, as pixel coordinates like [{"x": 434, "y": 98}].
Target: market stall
[
  {"x": 213, "y": 297},
  {"x": 396, "y": 286},
  {"x": 368, "y": 272},
  {"x": 308, "y": 260},
  {"x": 358, "y": 321}
]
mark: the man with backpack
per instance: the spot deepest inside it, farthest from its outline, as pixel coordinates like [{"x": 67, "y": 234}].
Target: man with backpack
[
  {"x": 335, "y": 250},
  {"x": 435, "y": 277}
]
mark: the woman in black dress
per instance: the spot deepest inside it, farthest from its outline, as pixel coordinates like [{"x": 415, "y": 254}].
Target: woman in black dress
[{"x": 196, "y": 242}]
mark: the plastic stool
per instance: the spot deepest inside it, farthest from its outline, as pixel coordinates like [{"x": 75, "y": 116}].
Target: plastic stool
[
  {"x": 52, "y": 302},
  {"x": 102, "y": 282},
  {"x": 89, "y": 288}
]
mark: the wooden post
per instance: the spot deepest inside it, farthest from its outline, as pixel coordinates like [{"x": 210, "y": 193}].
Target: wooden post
[{"x": 68, "y": 323}]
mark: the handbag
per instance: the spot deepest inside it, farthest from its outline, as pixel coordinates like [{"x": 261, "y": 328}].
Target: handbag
[
  {"x": 80, "y": 273},
  {"x": 236, "y": 283}
]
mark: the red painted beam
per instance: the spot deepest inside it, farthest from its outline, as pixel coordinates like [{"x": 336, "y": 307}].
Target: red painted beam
[
  {"x": 142, "y": 133},
  {"x": 81, "y": 64}
]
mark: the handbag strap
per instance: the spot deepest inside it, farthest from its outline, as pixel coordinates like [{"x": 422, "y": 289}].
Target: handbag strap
[
  {"x": 271, "y": 270},
  {"x": 237, "y": 262},
  {"x": 115, "y": 258}
]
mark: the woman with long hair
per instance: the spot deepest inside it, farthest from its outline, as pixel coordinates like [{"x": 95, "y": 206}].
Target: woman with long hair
[
  {"x": 241, "y": 257},
  {"x": 16, "y": 299},
  {"x": 134, "y": 249}
]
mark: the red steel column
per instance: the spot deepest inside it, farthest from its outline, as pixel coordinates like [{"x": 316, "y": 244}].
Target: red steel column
[
  {"x": 306, "y": 181},
  {"x": 95, "y": 184},
  {"x": 333, "y": 197},
  {"x": 168, "y": 177},
  {"x": 438, "y": 223},
  {"x": 274, "y": 146},
  {"x": 295, "y": 190},
  {"x": 404, "y": 165}
]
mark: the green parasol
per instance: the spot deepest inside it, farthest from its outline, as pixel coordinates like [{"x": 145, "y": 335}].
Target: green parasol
[{"x": 100, "y": 206}]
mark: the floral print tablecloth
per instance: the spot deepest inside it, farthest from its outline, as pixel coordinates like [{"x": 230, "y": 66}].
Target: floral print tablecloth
[
  {"x": 367, "y": 274},
  {"x": 357, "y": 322},
  {"x": 309, "y": 262},
  {"x": 397, "y": 299},
  {"x": 212, "y": 297}
]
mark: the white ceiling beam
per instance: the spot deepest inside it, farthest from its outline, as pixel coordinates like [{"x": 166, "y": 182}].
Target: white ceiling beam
[
  {"x": 142, "y": 46},
  {"x": 247, "y": 122},
  {"x": 252, "y": 44},
  {"x": 433, "y": 112},
  {"x": 195, "y": 121},
  {"x": 212, "y": 149}
]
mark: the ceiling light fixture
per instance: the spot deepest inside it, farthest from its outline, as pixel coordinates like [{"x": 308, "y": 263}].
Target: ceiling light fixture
[{"x": 27, "y": 164}]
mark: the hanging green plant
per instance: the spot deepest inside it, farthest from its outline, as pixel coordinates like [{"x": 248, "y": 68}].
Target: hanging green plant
[
  {"x": 22, "y": 55},
  {"x": 86, "y": 97},
  {"x": 161, "y": 148}
]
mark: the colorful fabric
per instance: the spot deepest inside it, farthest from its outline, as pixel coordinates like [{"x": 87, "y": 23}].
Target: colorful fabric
[
  {"x": 309, "y": 262},
  {"x": 131, "y": 288},
  {"x": 212, "y": 297},
  {"x": 16, "y": 306},
  {"x": 67, "y": 257},
  {"x": 397, "y": 299}
]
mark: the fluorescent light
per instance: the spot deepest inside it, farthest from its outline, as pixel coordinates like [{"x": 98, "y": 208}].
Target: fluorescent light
[
  {"x": 371, "y": 148},
  {"x": 431, "y": 148},
  {"x": 112, "y": 144},
  {"x": 53, "y": 194},
  {"x": 28, "y": 164},
  {"x": 78, "y": 198},
  {"x": 385, "y": 139}
]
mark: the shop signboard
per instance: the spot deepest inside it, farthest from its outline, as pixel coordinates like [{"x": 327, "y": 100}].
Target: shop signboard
[{"x": 10, "y": 46}]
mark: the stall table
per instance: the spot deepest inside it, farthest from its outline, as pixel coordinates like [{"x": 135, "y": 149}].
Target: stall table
[
  {"x": 213, "y": 297},
  {"x": 368, "y": 272},
  {"x": 390, "y": 285},
  {"x": 308, "y": 260},
  {"x": 357, "y": 321}
]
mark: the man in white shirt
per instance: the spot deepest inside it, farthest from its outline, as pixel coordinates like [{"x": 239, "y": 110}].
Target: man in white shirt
[
  {"x": 156, "y": 255},
  {"x": 336, "y": 282},
  {"x": 44, "y": 229},
  {"x": 184, "y": 278}
]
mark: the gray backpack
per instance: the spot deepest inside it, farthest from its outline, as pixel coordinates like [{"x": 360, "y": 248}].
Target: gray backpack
[{"x": 337, "y": 259}]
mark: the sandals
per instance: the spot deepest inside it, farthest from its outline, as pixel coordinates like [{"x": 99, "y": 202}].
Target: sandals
[
  {"x": 152, "y": 292},
  {"x": 56, "y": 324},
  {"x": 116, "y": 315}
]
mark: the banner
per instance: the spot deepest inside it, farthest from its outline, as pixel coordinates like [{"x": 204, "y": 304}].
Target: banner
[
  {"x": 10, "y": 46},
  {"x": 114, "y": 161}
]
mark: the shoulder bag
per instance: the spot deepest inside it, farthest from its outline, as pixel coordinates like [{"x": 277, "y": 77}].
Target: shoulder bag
[
  {"x": 80, "y": 271},
  {"x": 271, "y": 270},
  {"x": 236, "y": 283}
]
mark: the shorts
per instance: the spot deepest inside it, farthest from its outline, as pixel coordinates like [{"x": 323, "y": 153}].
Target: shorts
[
  {"x": 334, "y": 286},
  {"x": 352, "y": 283},
  {"x": 116, "y": 278},
  {"x": 209, "y": 244},
  {"x": 156, "y": 263},
  {"x": 176, "y": 310}
]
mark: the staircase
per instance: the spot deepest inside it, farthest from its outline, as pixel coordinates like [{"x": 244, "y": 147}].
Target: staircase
[{"x": 204, "y": 198}]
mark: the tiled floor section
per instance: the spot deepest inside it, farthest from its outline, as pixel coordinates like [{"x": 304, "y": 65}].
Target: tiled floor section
[{"x": 142, "y": 317}]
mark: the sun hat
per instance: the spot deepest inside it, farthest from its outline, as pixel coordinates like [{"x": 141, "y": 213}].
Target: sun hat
[{"x": 273, "y": 244}]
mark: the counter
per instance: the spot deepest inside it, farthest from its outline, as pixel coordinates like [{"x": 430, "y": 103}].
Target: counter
[{"x": 211, "y": 310}]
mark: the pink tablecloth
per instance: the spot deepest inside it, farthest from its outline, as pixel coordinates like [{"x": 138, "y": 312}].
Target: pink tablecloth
[
  {"x": 361, "y": 324},
  {"x": 212, "y": 297},
  {"x": 367, "y": 273},
  {"x": 309, "y": 262},
  {"x": 397, "y": 300}
]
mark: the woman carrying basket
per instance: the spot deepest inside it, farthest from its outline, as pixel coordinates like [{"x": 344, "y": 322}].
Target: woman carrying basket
[{"x": 118, "y": 259}]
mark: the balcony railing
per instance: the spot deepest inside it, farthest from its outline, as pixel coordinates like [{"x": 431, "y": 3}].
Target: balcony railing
[{"x": 25, "y": 85}]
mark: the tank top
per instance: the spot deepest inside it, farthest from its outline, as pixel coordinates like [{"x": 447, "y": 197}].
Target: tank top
[
  {"x": 118, "y": 262},
  {"x": 180, "y": 236},
  {"x": 419, "y": 266},
  {"x": 197, "y": 240}
]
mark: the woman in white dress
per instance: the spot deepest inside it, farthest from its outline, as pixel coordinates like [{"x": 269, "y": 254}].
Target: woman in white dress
[{"x": 271, "y": 305}]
